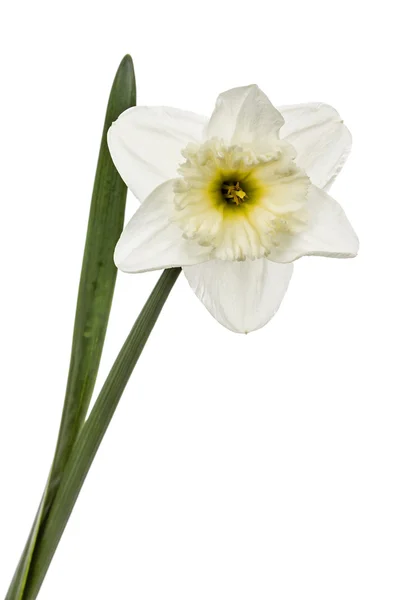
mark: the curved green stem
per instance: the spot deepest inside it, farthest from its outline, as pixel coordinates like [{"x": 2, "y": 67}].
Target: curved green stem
[{"x": 93, "y": 431}]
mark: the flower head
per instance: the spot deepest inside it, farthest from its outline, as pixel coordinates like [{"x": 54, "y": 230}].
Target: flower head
[{"x": 233, "y": 199}]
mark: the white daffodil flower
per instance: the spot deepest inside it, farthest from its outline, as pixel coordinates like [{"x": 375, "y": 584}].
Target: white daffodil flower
[{"x": 233, "y": 199}]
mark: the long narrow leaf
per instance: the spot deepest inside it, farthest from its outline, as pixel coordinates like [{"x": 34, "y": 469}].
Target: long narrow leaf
[
  {"x": 93, "y": 431},
  {"x": 98, "y": 277},
  {"x": 95, "y": 295}
]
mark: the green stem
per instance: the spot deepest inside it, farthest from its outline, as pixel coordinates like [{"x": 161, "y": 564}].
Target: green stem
[
  {"x": 95, "y": 295},
  {"x": 93, "y": 431}
]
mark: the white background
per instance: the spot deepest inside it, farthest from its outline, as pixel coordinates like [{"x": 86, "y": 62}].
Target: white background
[{"x": 237, "y": 467}]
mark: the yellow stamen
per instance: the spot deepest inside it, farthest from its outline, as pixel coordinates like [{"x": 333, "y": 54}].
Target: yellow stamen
[{"x": 234, "y": 193}]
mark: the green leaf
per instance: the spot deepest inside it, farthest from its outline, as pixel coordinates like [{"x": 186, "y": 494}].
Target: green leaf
[
  {"x": 98, "y": 275},
  {"x": 93, "y": 431},
  {"x": 95, "y": 295}
]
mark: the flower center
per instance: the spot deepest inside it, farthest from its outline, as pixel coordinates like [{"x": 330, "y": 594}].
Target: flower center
[
  {"x": 240, "y": 203},
  {"x": 233, "y": 192}
]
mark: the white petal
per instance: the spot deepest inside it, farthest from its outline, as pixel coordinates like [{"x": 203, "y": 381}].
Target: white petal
[
  {"x": 328, "y": 232},
  {"x": 244, "y": 116},
  {"x": 150, "y": 241},
  {"x": 242, "y": 296},
  {"x": 145, "y": 145},
  {"x": 321, "y": 140}
]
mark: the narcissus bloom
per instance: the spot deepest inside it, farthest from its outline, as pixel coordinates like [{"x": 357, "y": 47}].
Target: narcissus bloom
[{"x": 233, "y": 199}]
